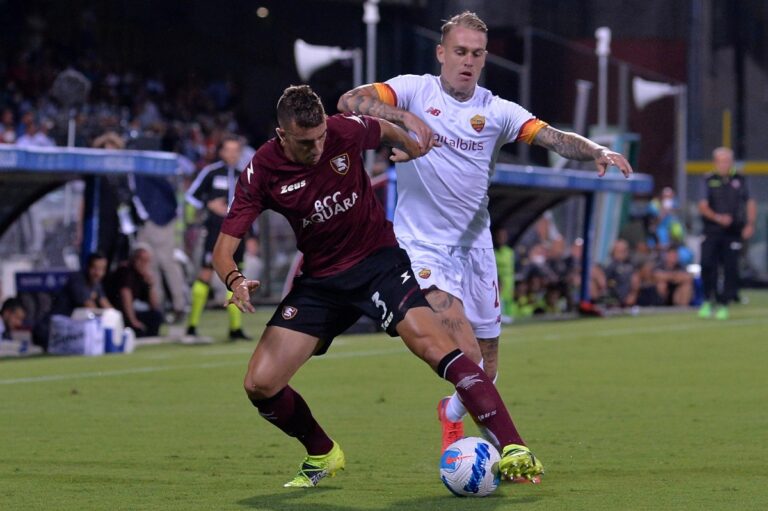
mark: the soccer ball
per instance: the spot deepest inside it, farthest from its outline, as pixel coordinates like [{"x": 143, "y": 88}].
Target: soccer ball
[{"x": 470, "y": 468}]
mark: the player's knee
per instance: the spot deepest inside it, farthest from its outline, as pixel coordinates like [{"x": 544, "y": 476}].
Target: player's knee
[{"x": 258, "y": 387}]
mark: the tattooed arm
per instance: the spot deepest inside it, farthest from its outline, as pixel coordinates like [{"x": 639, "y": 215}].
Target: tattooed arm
[
  {"x": 576, "y": 147},
  {"x": 365, "y": 100}
]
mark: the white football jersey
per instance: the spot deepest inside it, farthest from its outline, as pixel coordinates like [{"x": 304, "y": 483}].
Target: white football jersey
[{"x": 443, "y": 196}]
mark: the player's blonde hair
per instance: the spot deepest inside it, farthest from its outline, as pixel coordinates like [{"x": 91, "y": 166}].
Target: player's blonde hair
[{"x": 466, "y": 19}]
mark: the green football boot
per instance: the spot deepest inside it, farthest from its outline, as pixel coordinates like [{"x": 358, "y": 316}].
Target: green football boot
[
  {"x": 315, "y": 468},
  {"x": 517, "y": 461},
  {"x": 722, "y": 313}
]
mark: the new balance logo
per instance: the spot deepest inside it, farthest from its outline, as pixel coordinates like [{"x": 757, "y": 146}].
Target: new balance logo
[
  {"x": 433, "y": 111},
  {"x": 468, "y": 382},
  {"x": 405, "y": 277},
  {"x": 292, "y": 187}
]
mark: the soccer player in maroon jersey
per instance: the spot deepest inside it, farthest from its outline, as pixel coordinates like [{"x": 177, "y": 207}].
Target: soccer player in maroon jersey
[{"x": 312, "y": 173}]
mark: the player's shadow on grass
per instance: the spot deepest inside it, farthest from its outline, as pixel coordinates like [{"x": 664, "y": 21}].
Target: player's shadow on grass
[{"x": 301, "y": 500}]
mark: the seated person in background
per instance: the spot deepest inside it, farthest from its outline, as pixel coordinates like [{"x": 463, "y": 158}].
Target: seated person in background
[
  {"x": 84, "y": 289},
  {"x": 12, "y": 316},
  {"x": 673, "y": 283},
  {"x": 623, "y": 282},
  {"x": 648, "y": 295},
  {"x": 132, "y": 291}
]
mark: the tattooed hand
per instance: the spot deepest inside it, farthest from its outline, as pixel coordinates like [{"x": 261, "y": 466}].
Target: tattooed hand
[{"x": 605, "y": 158}]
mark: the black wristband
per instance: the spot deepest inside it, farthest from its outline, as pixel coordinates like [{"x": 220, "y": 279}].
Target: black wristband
[
  {"x": 233, "y": 281},
  {"x": 227, "y": 283}
]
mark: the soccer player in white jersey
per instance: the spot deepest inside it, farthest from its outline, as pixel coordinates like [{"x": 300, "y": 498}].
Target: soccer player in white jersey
[{"x": 442, "y": 218}]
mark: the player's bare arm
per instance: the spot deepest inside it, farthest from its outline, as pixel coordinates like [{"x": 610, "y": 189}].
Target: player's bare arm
[
  {"x": 404, "y": 147},
  {"x": 229, "y": 273},
  {"x": 365, "y": 100},
  {"x": 576, "y": 147}
]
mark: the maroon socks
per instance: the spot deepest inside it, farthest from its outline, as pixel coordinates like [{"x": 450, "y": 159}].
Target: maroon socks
[
  {"x": 479, "y": 396},
  {"x": 288, "y": 411}
]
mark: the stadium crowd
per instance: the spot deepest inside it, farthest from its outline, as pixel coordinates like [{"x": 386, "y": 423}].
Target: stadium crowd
[{"x": 647, "y": 268}]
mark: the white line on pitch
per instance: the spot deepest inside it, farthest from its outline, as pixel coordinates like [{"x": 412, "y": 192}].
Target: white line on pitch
[{"x": 155, "y": 369}]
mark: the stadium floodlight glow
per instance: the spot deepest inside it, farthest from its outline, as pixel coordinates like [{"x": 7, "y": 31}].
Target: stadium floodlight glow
[{"x": 310, "y": 57}]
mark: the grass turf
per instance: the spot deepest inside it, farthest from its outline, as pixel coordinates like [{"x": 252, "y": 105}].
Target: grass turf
[{"x": 647, "y": 412}]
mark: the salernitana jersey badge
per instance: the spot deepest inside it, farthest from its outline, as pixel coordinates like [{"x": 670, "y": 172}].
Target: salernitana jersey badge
[
  {"x": 289, "y": 312},
  {"x": 340, "y": 163},
  {"x": 478, "y": 123}
]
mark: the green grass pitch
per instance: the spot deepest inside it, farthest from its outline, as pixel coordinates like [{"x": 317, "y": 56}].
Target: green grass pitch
[{"x": 629, "y": 413}]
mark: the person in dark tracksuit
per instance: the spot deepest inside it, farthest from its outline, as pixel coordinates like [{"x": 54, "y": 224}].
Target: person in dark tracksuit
[
  {"x": 213, "y": 190},
  {"x": 729, "y": 217}
]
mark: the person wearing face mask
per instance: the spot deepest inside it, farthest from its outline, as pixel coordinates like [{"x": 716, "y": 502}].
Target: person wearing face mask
[
  {"x": 213, "y": 190},
  {"x": 442, "y": 218},
  {"x": 728, "y": 214}
]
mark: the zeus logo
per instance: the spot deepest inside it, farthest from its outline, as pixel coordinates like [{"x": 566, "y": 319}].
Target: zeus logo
[
  {"x": 292, "y": 187},
  {"x": 249, "y": 172},
  {"x": 405, "y": 277}
]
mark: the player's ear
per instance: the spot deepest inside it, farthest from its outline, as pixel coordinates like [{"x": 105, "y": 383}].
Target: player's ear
[
  {"x": 280, "y": 134},
  {"x": 440, "y": 53}
]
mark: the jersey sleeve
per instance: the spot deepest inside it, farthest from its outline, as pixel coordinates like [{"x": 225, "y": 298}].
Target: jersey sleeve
[
  {"x": 400, "y": 90},
  {"x": 518, "y": 124},
  {"x": 363, "y": 129},
  {"x": 248, "y": 203}
]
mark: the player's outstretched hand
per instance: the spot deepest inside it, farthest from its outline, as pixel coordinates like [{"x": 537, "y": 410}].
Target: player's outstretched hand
[
  {"x": 241, "y": 295},
  {"x": 606, "y": 158}
]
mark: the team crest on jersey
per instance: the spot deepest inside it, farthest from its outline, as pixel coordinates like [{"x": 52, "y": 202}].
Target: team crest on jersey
[
  {"x": 478, "y": 123},
  {"x": 289, "y": 312},
  {"x": 424, "y": 273},
  {"x": 340, "y": 163}
]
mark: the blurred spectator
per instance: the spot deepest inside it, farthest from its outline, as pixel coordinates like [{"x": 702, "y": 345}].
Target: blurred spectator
[
  {"x": 253, "y": 265},
  {"x": 154, "y": 200},
  {"x": 622, "y": 280},
  {"x": 12, "y": 315},
  {"x": 212, "y": 191},
  {"x": 36, "y": 135},
  {"x": 112, "y": 238},
  {"x": 84, "y": 289},
  {"x": 673, "y": 283},
  {"x": 7, "y": 127},
  {"x": 665, "y": 226},
  {"x": 133, "y": 291},
  {"x": 598, "y": 287},
  {"x": 648, "y": 292}
]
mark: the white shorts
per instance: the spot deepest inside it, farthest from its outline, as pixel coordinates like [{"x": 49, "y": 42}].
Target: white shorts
[{"x": 467, "y": 273}]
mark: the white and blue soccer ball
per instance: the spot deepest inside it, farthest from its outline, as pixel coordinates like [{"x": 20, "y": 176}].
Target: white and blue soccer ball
[{"x": 470, "y": 467}]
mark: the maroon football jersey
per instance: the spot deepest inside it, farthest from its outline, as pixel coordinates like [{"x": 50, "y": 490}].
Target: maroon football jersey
[{"x": 331, "y": 207}]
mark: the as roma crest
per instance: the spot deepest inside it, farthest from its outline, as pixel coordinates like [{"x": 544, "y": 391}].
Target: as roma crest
[
  {"x": 478, "y": 123},
  {"x": 340, "y": 163},
  {"x": 289, "y": 312},
  {"x": 424, "y": 273}
]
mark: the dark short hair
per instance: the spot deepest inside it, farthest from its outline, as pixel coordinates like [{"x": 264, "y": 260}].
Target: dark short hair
[
  {"x": 229, "y": 137},
  {"x": 11, "y": 304},
  {"x": 300, "y": 104},
  {"x": 94, "y": 256}
]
